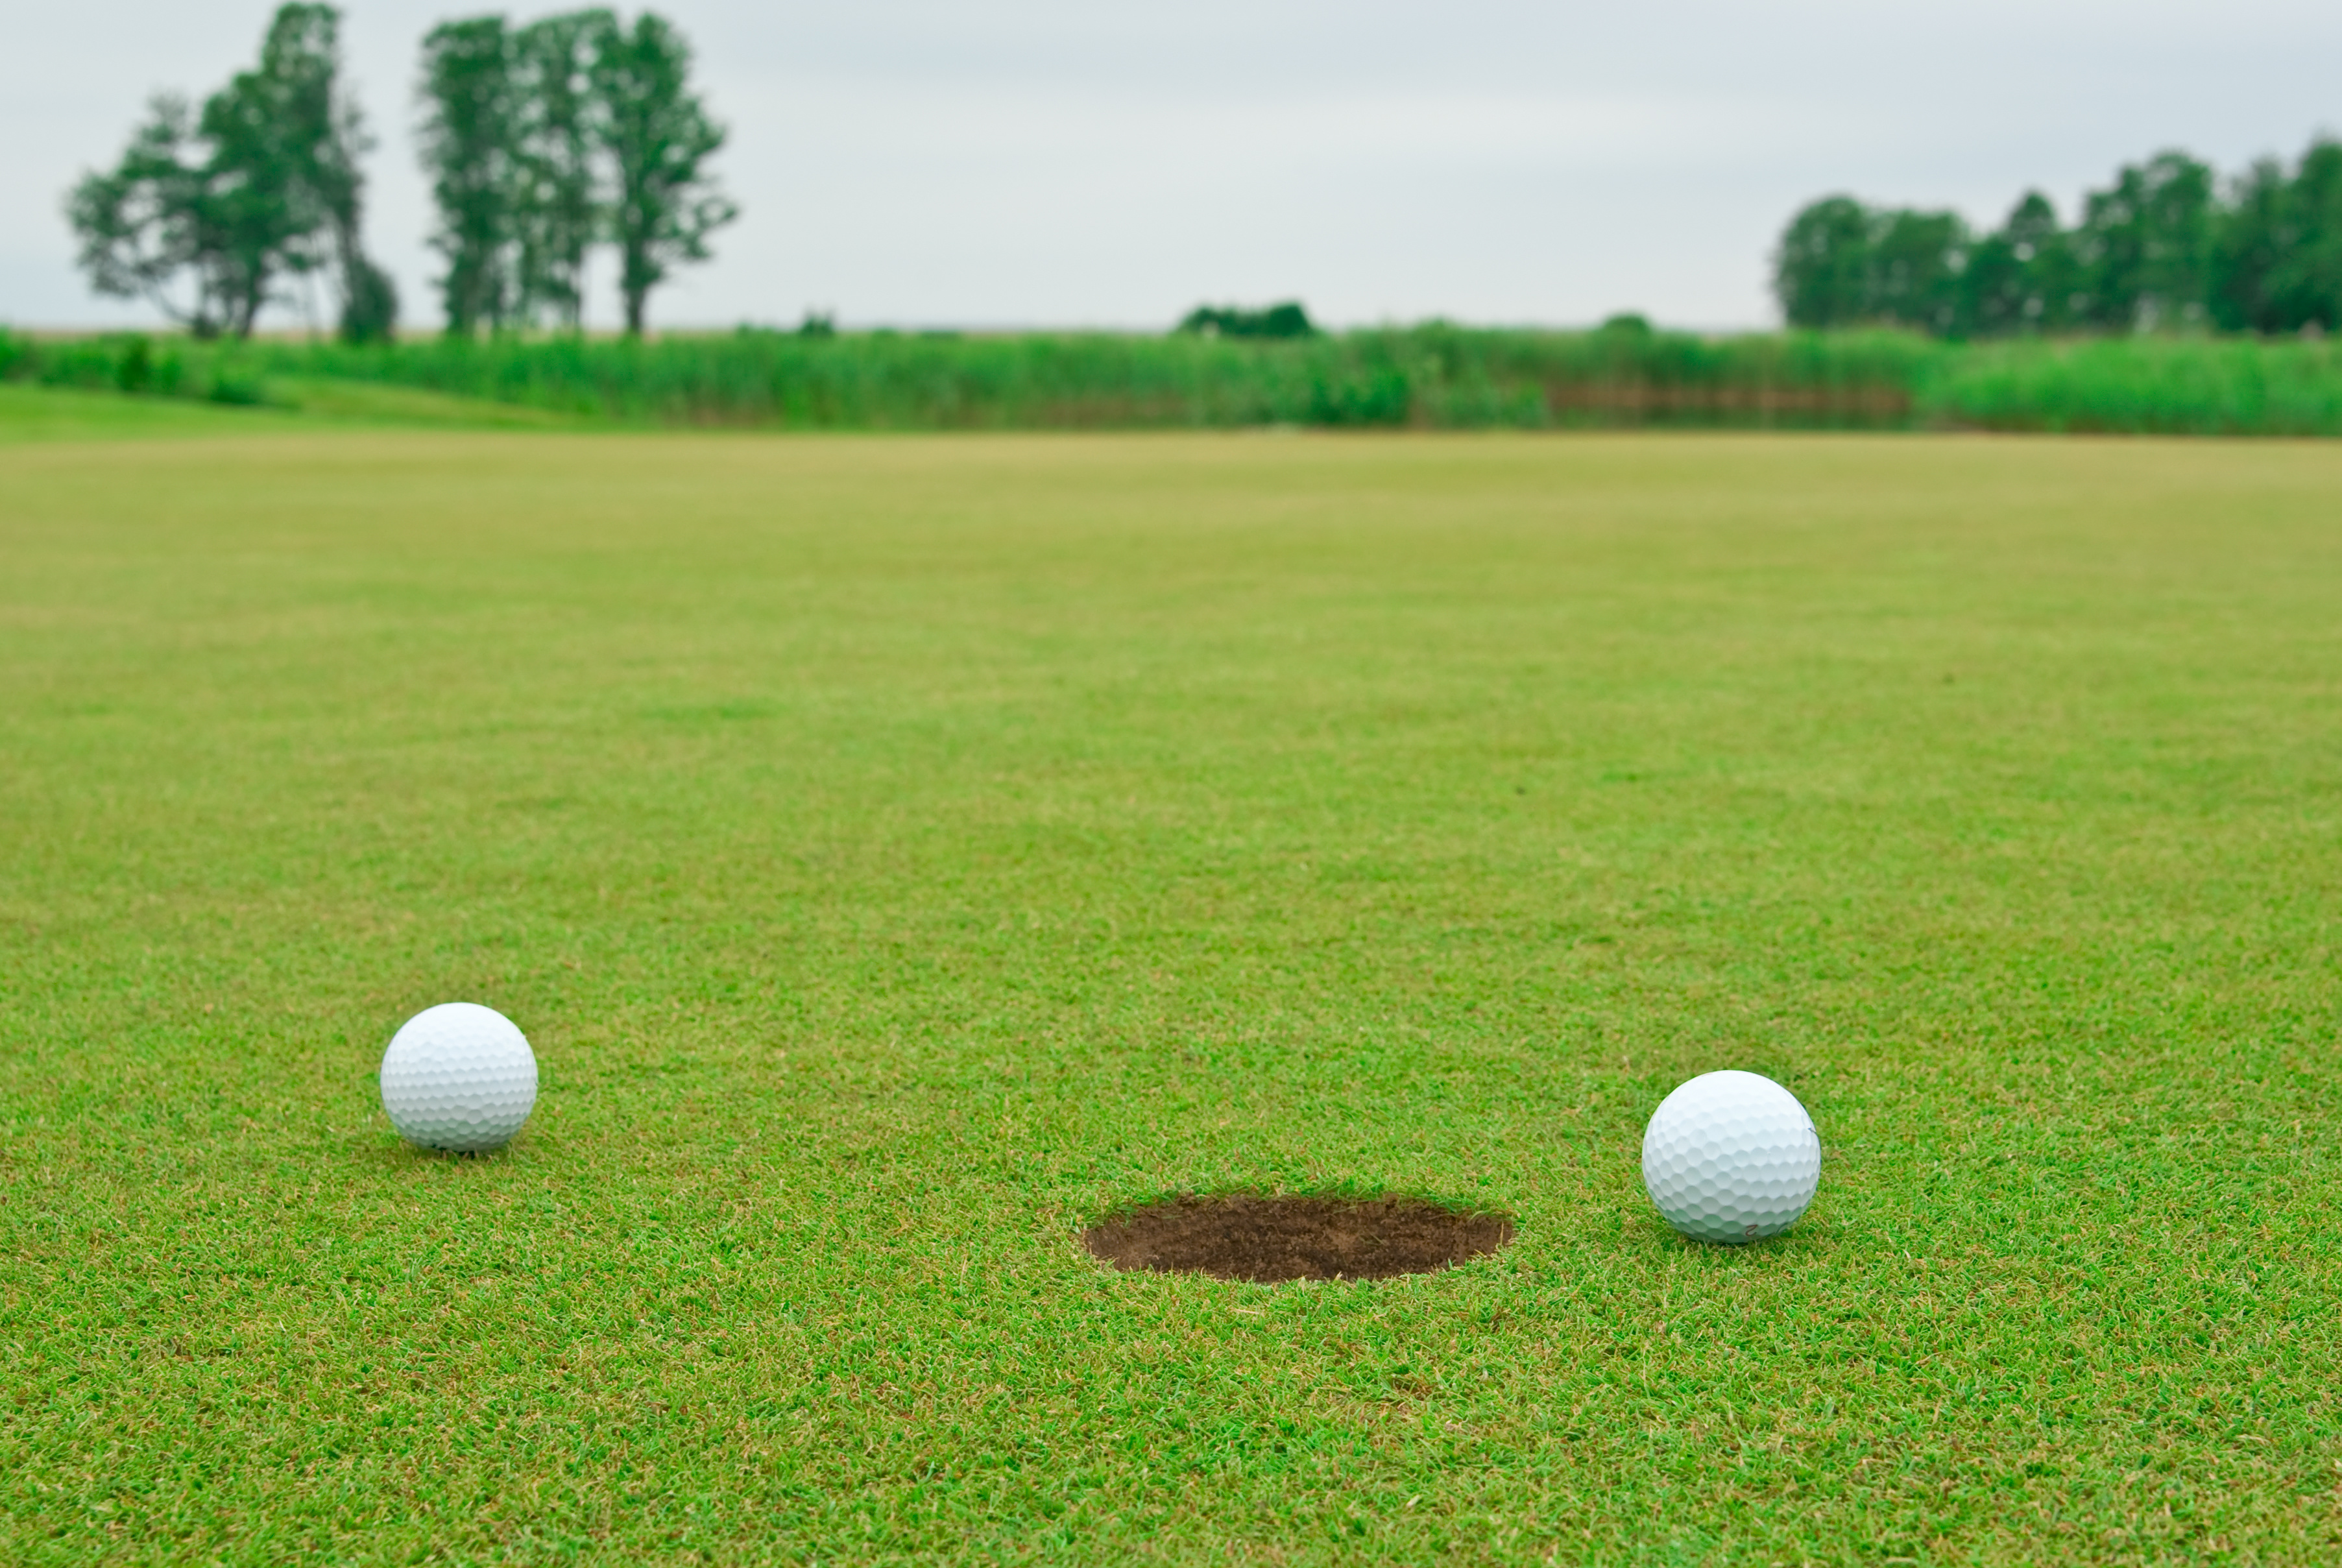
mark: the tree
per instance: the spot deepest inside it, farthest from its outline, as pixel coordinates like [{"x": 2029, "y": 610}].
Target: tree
[
  {"x": 2308, "y": 278},
  {"x": 1821, "y": 273},
  {"x": 469, "y": 134},
  {"x": 658, "y": 137},
  {"x": 1916, "y": 261},
  {"x": 2146, "y": 244},
  {"x": 147, "y": 228},
  {"x": 206, "y": 211},
  {"x": 293, "y": 114},
  {"x": 557, "y": 208},
  {"x": 1843, "y": 263},
  {"x": 2165, "y": 244},
  {"x": 2249, "y": 247},
  {"x": 2020, "y": 278}
]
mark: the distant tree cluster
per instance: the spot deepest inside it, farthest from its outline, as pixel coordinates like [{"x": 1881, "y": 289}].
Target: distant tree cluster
[
  {"x": 2167, "y": 244},
  {"x": 1285, "y": 320},
  {"x": 207, "y": 211},
  {"x": 542, "y": 142},
  {"x": 545, "y": 140}
]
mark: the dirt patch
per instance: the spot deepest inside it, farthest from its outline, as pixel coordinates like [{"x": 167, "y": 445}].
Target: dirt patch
[{"x": 1249, "y": 1236}]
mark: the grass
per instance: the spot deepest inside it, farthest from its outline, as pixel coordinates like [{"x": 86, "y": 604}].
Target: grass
[
  {"x": 902, "y": 850},
  {"x": 2186, "y": 387},
  {"x": 41, "y": 413},
  {"x": 1433, "y": 376},
  {"x": 375, "y": 403},
  {"x": 38, "y": 414}
]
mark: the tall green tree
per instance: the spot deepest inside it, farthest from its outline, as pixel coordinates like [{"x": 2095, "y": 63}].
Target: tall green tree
[
  {"x": 2248, "y": 248},
  {"x": 293, "y": 116},
  {"x": 2146, "y": 244},
  {"x": 1916, "y": 261},
  {"x": 1843, "y": 263},
  {"x": 149, "y": 228},
  {"x": 1821, "y": 273},
  {"x": 658, "y": 137},
  {"x": 2019, "y": 278},
  {"x": 2307, "y": 280},
  {"x": 558, "y": 207},
  {"x": 2165, "y": 246},
  {"x": 205, "y": 213},
  {"x": 471, "y": 135}
]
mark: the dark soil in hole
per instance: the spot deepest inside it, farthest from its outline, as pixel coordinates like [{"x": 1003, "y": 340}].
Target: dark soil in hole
[{"x": 1247, "y": 1237}]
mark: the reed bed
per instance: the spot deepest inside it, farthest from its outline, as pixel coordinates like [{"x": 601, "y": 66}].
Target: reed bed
[{"x": 1433, "y": 376}]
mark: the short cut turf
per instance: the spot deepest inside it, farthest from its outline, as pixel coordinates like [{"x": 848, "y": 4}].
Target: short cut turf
[{"x": 904, "y": 852}]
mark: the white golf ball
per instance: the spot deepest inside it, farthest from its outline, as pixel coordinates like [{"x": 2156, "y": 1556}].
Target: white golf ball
[
  {"x": 1731, "y": 1157},
  {"x": 458, "y": 1077}
]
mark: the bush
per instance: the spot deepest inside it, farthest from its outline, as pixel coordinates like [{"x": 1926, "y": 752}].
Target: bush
[{"x": 1278, "y": 321}]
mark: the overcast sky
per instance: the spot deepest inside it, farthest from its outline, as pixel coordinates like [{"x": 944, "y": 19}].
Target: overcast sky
[{"x": 1090, "y": 163}]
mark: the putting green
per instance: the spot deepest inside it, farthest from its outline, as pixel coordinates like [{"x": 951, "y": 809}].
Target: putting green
[{"x": 902, "y": 852}]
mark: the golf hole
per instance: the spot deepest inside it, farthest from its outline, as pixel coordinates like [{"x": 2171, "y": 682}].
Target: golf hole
[{"x": 1270, "y": 1239}]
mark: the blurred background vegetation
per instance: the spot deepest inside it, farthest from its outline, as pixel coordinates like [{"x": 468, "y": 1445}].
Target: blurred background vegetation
[
  {"x": 1434, "y": 376},
  {"x": 2166, "y": 246},
  {"x": 2174, "y": 302}
]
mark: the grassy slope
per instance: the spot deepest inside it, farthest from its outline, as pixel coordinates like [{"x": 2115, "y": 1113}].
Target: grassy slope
[
  {"x": 368, "y": 402},
  {"x": 65, "y": 413},
  {"x": 902, "y": 850},
  {"x": 51, "y": 414}
]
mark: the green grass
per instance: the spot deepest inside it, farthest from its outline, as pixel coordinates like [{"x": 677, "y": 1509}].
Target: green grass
[
  {"x": 293, "y": 405},
  {"x": 1433, "y": 376},
  {"x": 377, "y": 403},
  {"x": 50, "y": 413},
  {"x": 2186, "y": 386},
  {"x": 904, "y": 850}
]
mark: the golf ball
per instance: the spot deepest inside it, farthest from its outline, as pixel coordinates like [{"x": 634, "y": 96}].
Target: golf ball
[
  {"x": 458, "y": 1077},
  {"x": 1731, "y": 1157}
]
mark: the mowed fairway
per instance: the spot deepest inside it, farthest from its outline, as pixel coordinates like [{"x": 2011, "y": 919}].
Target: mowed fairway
[{"x": 902, "y": 852}]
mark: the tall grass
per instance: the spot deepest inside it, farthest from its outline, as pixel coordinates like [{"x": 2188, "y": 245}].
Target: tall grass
[
  {"x": 2217, "y": 386},
  {"x": 132, "y": 362},
  {"x": 1432, "y": 376}
]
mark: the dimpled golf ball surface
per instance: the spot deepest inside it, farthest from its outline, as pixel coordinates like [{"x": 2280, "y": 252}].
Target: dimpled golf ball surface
[
  {"x": 1731, "y": 1157},
  {"x": 458, "y": 1077}
]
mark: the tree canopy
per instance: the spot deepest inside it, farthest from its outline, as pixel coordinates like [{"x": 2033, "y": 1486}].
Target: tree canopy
[
  {"x": 2165, "y": 244},
  {"x": 541, "y": 142},
  {"x": 546, "y": 139},
  {"x": 208, "y": 210},
  {"x": 1288, "y": 319}
]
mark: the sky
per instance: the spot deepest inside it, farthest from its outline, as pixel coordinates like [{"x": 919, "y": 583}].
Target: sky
[{"x": 1094, "y": 163}]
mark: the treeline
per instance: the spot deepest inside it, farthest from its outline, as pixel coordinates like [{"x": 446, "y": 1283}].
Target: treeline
[
  {"x": 2166, "y": 246},
  {"x": 543, "y": 141},
  {"x": 1430, "y": 377}
]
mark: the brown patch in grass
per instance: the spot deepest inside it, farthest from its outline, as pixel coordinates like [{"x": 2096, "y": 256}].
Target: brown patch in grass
[{"x": 1268, "y": 1240}]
